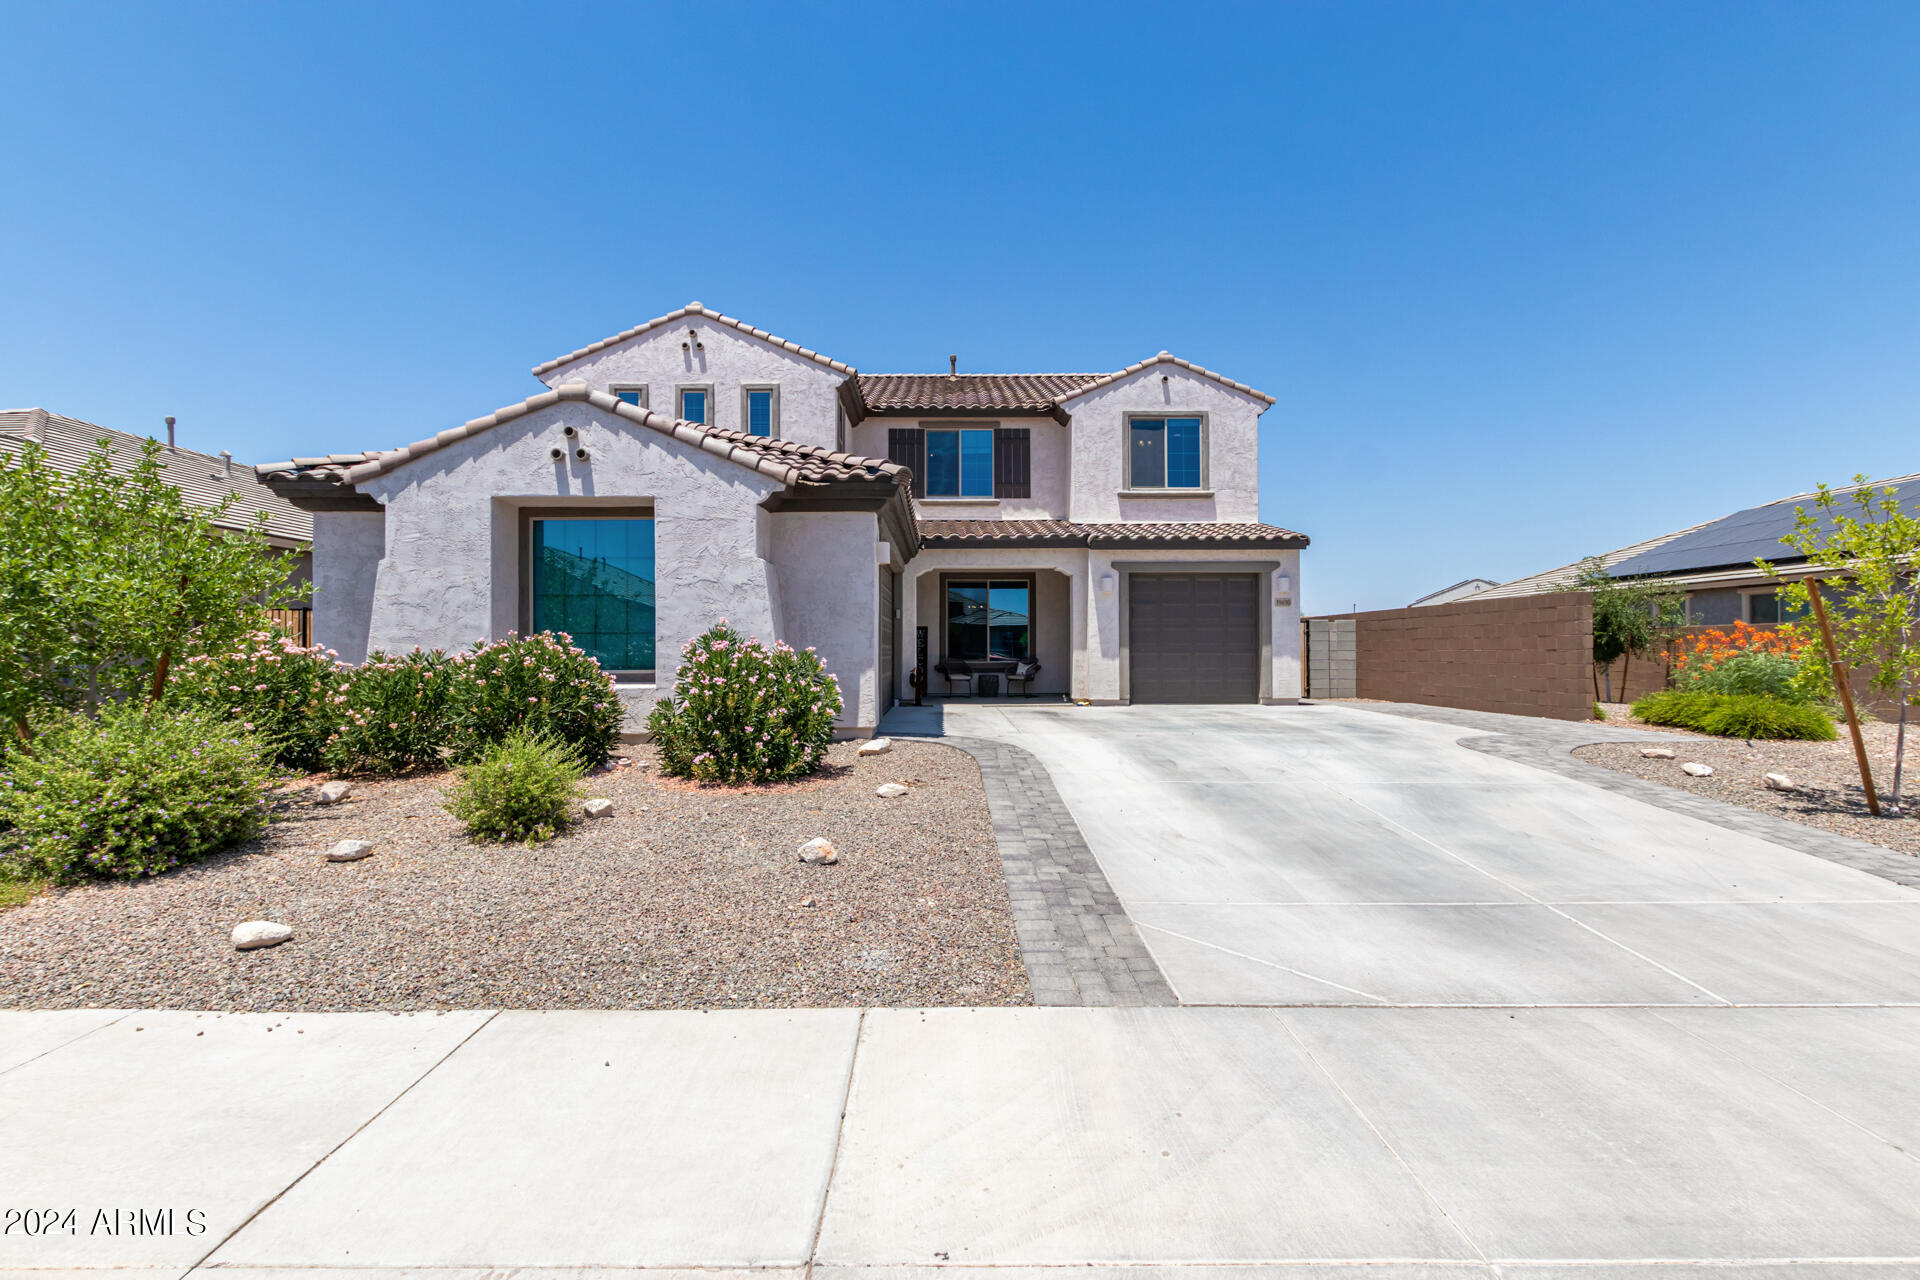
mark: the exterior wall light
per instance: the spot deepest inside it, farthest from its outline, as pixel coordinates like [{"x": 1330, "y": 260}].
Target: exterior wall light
[
  {"x": 1106, "y": 582},
  {"x": 1282, "y": 589}
]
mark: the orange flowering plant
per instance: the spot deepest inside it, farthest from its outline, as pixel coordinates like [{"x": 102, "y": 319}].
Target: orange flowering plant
[{"x": 1778, "y": 663}]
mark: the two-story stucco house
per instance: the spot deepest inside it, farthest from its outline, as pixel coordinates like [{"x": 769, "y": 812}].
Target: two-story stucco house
[{"x": 695, "y": 468}]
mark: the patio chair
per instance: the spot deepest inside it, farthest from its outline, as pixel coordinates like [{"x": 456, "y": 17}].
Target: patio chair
[
  {"x": 956, "y": 671},
  {"x": 1023, "y": 672}
]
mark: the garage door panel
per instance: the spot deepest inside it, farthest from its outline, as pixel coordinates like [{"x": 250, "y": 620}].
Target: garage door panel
[{"x": 1193, "y": 637}]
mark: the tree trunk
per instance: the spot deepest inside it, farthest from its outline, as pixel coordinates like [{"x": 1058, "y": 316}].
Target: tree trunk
[
  {"x": 160, "y": 675},
  {"x": 1626, "y": 665},
  {"x": 1596, "y": 681}
]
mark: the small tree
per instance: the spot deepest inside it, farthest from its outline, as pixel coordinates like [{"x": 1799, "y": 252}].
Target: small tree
[
  {"x": 1875, "y": 617},
  {"x": 108, "y": 578},
  {"x": 1630, "y": 616}
]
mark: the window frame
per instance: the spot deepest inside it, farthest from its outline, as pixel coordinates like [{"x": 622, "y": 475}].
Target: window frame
[
  {"x": 1032, "y": 582},
  {"x": 680, "y": 401},
  {"x": 625, "y": 511},
  {"x": 990, "y": 430},
  {"x": 618, "y": 389},
  {"x": 1127, "y": 485},
  {"x": 773, "y": 409}
]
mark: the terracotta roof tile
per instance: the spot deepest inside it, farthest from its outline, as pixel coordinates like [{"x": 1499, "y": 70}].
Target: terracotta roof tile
[
  {"x": 783, "y": 460},
  {"x": 937, "y": 392},
  {"x": 936, "y": 534}
]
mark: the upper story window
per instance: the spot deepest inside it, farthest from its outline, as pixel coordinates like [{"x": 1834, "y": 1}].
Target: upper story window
[
  {"x": 960, "y": 463},
  {"x": 761, "y": 412},
  {"x": 695, "y": 403},
  {"x": 1164, "y": 453},
  {"x": 636, "y": 396}
]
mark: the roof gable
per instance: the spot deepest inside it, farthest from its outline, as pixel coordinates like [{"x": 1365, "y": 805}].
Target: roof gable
[
  {"x": 693, "y": 309},
  {"x": 1164, "y": 357}
]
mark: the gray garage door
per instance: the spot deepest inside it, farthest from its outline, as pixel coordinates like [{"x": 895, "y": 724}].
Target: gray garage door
[{"x": 1193, "y": 637}]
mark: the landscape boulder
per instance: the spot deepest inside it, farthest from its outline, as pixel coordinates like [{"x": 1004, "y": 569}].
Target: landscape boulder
[
  {"x": 350, "y": 851},
  {"x": 598, "y": 808},
  {"x": 876, "y": 747},
  {"x": 1779, "y": 782},
  {"x": 819, "y": 850},
  {"x": 335, "y": 792},
  {"x": 889, "y": 791},
  {"x": 255, "y": 934},
  {"x": 1657, "y": 753},
  {"x": 1697, "y": 770}
]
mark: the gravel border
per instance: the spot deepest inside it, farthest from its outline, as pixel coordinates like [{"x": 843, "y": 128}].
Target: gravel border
[{"x": 688, "y": 897}]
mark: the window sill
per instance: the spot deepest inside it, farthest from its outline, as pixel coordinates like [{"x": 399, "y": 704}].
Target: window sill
[
  {"x": 1166, "y": 493},
  {"x": 634, "y": 681},
  {"x": 960, "y": 502}
]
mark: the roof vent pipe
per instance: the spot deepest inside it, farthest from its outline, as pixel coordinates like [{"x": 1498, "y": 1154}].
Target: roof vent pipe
[
  {"x": 226, "y": 456},
  {"x": 169, "y": 433},
  {"x": 953, "y": 366}
]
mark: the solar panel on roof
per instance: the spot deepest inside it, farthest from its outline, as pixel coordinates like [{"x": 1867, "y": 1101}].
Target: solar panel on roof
[{"x": 1744, "y": 536}]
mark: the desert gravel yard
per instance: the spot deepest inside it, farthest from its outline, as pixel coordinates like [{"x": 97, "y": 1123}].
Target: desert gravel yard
[
  {"x": 687, "y": 897},
  {"x": 1828, "y": 794}
]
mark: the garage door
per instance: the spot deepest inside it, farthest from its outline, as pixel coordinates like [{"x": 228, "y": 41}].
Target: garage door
[{"x": 1193, "y": 637}]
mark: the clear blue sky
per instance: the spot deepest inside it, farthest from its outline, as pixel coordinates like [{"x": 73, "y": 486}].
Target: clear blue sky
[{"x": 1530, "y": 281}]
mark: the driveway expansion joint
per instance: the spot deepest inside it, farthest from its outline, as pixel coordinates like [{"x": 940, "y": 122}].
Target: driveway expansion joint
[
  {"x": 1549, "y": 745},
  {"x": 1079, "y": 944}
]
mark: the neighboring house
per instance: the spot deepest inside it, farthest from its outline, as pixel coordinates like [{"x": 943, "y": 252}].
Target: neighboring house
[
  {"x": 1712, "y": 563},
  {"x": 1458, "y": 591},
  {"x": 695, "y": 468},
  {"x": 203, "y": 479}
]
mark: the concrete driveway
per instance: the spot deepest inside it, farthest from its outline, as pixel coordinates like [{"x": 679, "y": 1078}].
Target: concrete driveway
[{"x": 1328, "y": 855}]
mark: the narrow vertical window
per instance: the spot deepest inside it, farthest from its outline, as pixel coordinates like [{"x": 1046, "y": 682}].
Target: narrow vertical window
[
  {"x": 693, "y": 405},
  {"x": 760, "y": 411},
  {"x": 1183, "y": 453}
]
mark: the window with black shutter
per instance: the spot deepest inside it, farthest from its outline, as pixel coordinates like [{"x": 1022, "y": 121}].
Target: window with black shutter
[{"x": 907, "y": 446}]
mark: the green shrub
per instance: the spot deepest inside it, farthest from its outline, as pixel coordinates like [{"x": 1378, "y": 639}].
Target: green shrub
[
  {"x": 1599, "y": 712},
  {"x": 741, "y": 712},
  {"x": 395, "y": 714},
  {"x": 1753, "y": 672},
  {"x": 137, "y": 791},
  {"x": 1735, "y": 715},
  {"x": 524, "y": 787},
  {"x": 543, "y": 684},
  {"x": 272, "y": 688}
]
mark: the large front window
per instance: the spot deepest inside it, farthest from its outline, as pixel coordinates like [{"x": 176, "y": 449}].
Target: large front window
[
  {"x": 989, "y": 620},
  {"x": 1163, "y": 453},
  {"x": 593, "y": 579},
  {"x": 960, "y": 463}
]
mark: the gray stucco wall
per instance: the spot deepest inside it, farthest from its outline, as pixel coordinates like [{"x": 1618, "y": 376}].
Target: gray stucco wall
[
  {"x": 347, "y": 549},
  {"x": 809, "y": 400},
  {"x": 1051, "y": 468},
  {"x": 1232, "y": 451},
  {"x": 829, "y": 599}
]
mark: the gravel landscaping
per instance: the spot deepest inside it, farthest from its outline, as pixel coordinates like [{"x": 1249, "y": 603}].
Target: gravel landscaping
[
  {"x": 1827, "y": 791},
  {"x": 688, "y": 896}
]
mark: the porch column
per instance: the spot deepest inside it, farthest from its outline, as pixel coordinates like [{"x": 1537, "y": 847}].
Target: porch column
[{"x": 1078, "y": 585}]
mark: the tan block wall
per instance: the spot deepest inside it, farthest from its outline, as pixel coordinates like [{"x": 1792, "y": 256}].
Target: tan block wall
[{"x": 1524, "y": 655}]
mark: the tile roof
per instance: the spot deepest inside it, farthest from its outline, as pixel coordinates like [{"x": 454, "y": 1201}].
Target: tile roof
[
  {"x": 1164, "y": 357},
  {"x": 692, "y": 309},
  {"x": 935, "y": 392},
  {"x": 936, "y": 534},
  {"x": 783, "y": 460},
  {"x": 203, "y": 478}
]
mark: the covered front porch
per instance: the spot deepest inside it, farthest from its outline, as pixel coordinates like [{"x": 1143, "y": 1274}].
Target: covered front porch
[{"x": 997, "y": 611}]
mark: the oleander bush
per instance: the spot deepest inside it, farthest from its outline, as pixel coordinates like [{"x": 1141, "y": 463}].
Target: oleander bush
[
  {"x": 394, "y": 714},
  {"x": 743, "y": 712},
  {"x": 133, "y": 792},
  {"x": 280, "y": 692},
  {"x": 522, "y": 788},
  {"x": 1731, "y": 715},
  {"x": 543, "y": 684}
]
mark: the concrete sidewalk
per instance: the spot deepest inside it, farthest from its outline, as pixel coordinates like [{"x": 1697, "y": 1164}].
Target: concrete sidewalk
[{"x": 1427, "y": 1143}]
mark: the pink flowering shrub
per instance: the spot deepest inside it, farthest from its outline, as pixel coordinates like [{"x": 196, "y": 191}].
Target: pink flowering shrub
[
  {"x": 393, "y": 714},
  {"x": 743, "y": 712},
  {"x": 133, "y": 792},
  {"x": 543, "y": 684},
  {"x": 277, "y": 691}
]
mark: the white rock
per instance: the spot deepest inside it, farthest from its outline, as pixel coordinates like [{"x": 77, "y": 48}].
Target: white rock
[
  {"x": 1657, "y": 753},
  {"x": 260, "y": 933},
  {"x": 1779, "y": 782},
  {"x": 889, "y": 791},
  {"x": 1697, "y": 770},
  {"x": 819, "y": 849},
  {"x": 598, "y": 808},
  {"x": 808, "y": 902},
  {"x": 350, "y": 851},
  {"x": 335, "y": 792},
  {"x": 876, "y": 747}
]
